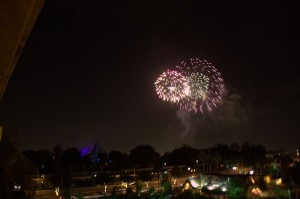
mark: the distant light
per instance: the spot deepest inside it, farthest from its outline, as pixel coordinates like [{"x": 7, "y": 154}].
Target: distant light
[
  {"x": 194, "y": 183},
  {"x": 17, "y": 187},
  {"x": 252, "y": 180},
  {"x": 224, "y": 189},
  {"x": 256, "y": 191},
  {"x": 189, "y": 168},
  {"x": 186, "y": 90},
  {"x": 251, "y": 172},
  {"x": 279, "y": 181},
  {"x": 84, "y": 151},
  {"x": 267, "y": 179},
  {"x": 56, "y": 191},
  {"x": 234, "y": 168}
]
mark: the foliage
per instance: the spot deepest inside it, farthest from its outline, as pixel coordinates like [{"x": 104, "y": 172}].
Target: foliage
[
  {"x": 143, "y": 156},
  {"x": 129, "y": 191},
  {"x": 67, "y": 193},
  {"x": 114, "y": 191},
  {"x": 145, "y": 176},
  {"x": 118, "y": 160},
  {"x": 14, "y": 166},
  {"x": 151, "y": 190},
  {"x": 236, "y": 190},
  {"x": 183, "y": 155},
  {"x": 138, "y": 187},
  {"x": 80, "y": 195},
  {"x": 237, "y": 193},
  {"x": 167, "y": 187},
  {"x": 188, "y": 194},
  {"x": 274, "y": 171},
  {"x": 262, "y": 183},
  {"x": 61, "y": 162}
]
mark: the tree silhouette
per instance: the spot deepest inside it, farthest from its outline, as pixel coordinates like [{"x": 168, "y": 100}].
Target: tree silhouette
[
  {"x": 118, "y": 160},
  {"x": 143, "y": 156}
]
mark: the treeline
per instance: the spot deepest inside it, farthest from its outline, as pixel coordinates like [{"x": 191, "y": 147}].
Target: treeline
[
  {"x": 145, "y": 156},
  {"x": 19, "y": 166},
  {"x": 61, "y": 163}
]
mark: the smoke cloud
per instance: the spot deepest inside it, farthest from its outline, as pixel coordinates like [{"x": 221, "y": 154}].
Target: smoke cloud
[{"x": 222, "y": 124}]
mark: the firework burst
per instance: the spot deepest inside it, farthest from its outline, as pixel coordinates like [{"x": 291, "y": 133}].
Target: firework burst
[
  {"x": 195, "y": 85},
  {"x": 171, "y": 86},
  {"x": 206, "y": 85}
]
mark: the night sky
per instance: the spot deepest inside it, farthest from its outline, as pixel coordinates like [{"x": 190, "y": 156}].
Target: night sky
[{"x": 87, "y": 74}]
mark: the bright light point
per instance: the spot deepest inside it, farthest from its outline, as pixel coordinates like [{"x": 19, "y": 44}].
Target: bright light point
[
  {"x": 56, "y": 191},
  {"x": 194, "y": 183},
  {"x": 186, "y": 90},
  {"x": 278, "y": 181},
  {"x": 224, "y": 189},
  {"x": 171, "y": 88}
]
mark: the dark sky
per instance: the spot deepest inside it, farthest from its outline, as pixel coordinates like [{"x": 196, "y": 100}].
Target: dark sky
[{"x": 87, "y": 71}]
